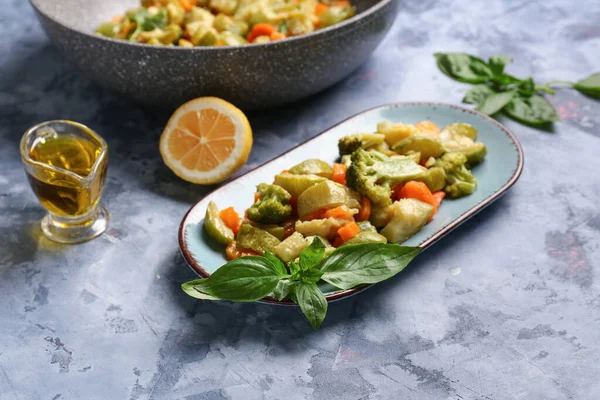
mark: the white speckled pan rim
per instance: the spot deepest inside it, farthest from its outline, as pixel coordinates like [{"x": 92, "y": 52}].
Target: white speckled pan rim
[
  {"x": 338, "y": 295},
  {"x": 355, "y": 19}
]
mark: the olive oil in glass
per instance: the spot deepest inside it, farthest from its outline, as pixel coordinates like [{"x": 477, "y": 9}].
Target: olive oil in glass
[{"x": 66, "y": 166}]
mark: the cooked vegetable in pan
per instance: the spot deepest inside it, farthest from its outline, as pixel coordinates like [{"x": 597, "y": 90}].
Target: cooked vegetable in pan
[{"x": 189, "y": 23}]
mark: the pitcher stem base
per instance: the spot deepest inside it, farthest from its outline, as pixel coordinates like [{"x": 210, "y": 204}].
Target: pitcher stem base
[{"x": 76, "y": 233}]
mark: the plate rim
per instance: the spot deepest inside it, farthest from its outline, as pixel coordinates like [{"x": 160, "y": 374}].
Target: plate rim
[{"x": 197, "y": 268}]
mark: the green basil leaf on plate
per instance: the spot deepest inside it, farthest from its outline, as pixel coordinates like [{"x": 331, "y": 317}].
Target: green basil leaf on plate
[
  {"x": 278, "y": 265},
  {"x": 282, "y": 290},
  {"x": 244, "y": 279},
  {"x": 294, "y": 268},
  {"x": 311, "y": 275},
  {"x": 312, "y": 302},
  {"x": 311, "y": 256},
  {"x": 589, "y": 86},
  {"x": 463, "y": 67},
  {"x": 534, "y": 110},
  {"x": 190, "y": 289},
  {"x": 495, "y": 102},
  {"x": 354, "y": 265}
]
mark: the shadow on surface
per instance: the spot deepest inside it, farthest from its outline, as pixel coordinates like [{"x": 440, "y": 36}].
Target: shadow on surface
[
  {"x": 44, "y": 87},
  {"x": 23, "y": 240}
]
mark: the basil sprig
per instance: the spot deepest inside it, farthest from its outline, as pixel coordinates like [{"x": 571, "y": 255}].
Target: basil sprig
[
  {"x": 496, "y": 91},
  {"x": 145, "y": 22},
  {"x": 251, "y": 278},
  {"x": 357, "y": 264},
  {"x": 589, "y": 86},
  {"x": 312, "y": 302}
]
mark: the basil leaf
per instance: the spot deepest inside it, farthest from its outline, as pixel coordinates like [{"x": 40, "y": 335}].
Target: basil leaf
[
  {"x": 495, "y": 102},
  {"x": 282, "y": 289},
  {"x": 244, "y": 279},
  {"x": 311, "y": 275},
  {"x": 497, "y": 63},
  {"x": 283, "y": 28},
  {"x": 533, "y": 110},
  {"x": 150, "y": 22},
  {"x": 294, "y": 268},
  {"x": 278, "y": 265},
  {"x": 146, "y": 22},
  {"x": 477, "y": 94},
  {"x": 545, "y": 89},
  {"x": 463, "y": 67},
  {"x": 589, "y": 86},
  {"x": 526, "y": 87},
  {"x": 353, "y": 265},
  {"x": 505, "y": 80},
  {"x": 311, "y": 256},
  {"x": 292, "y": 294},
  {"x": 312, "y": 302},
  {"x": 190, "y": 289}
]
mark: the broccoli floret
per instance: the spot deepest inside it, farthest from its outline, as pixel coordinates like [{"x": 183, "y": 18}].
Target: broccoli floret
[
  {"x": 459, "y": 180},
  {"x": 372, "y": 174},
  {"x": 349, "y": 144},
  {"x": 346, "y": 160},
  {"x": 272, "y": 207}
]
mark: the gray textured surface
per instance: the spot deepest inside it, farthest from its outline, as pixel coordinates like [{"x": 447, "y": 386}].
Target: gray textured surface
[
  {"x": 252, "y": 76},
  {"x": 107, "y": 320}
]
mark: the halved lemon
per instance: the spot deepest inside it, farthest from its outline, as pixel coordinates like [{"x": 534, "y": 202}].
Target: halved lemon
[{"x": 206, "y": 140}]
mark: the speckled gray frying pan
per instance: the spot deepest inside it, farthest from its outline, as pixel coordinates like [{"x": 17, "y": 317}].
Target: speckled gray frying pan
[{"x": 251, "y": 76}]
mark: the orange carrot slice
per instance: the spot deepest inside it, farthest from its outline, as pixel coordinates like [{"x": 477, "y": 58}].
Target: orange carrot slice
[
  {"x": 339, "y": 173},
  {"x": 341, "y": 212},
  {"x": 320, "y": 8},
  {"x": 277, "y": 36},
  {"x": 348, "y": 231},
  {"x": 417, "y": 190},
  {"x": 365, "y": 209},
  {"x": 231, "y": 219},
  {"x": 261, "y": 29}
]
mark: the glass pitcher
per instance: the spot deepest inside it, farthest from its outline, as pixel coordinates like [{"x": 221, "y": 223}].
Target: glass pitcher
[{"x": 66, "y": 166}]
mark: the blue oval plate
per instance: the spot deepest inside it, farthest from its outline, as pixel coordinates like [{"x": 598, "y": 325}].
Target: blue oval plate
[{"x": 500, "y": 170}]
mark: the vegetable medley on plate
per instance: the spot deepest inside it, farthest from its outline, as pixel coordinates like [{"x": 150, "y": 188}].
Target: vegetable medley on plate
[
  {"x": 189, "y": 23},
  {"x": 385, "y": 188}
]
